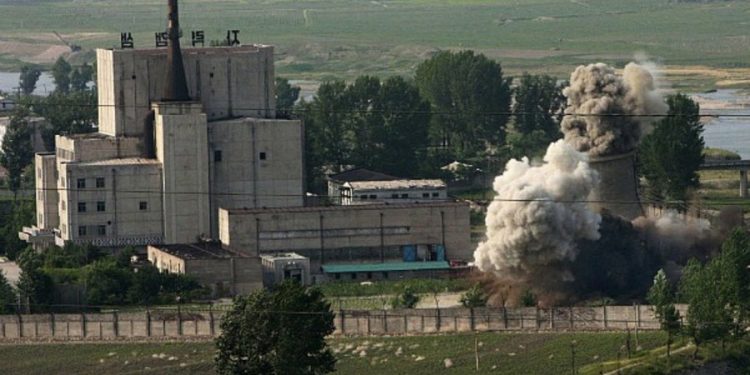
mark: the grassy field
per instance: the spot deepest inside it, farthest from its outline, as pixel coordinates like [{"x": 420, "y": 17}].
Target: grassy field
[
  {"x": 518, "y": 353},
  {"x": 320, "y": 39}
]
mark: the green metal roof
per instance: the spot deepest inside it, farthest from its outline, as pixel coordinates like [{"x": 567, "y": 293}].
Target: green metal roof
[{"x": 384, "y": 267}]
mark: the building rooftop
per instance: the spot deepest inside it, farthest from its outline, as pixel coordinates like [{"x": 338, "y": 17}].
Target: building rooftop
[
  {"x": 204, "y": 250},
  {"x": 385, "y": 267},
  {"x": 277, "y": 256},
  {"x": 122, "y": 161},
  {"x": 397, "y": 184},
  {"x": 361, "y": 174},
  {"x": 406, "y": 205}
]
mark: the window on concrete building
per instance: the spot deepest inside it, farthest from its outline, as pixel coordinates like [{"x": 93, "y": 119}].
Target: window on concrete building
[
  {"x": 82, "y": 230},
  {"x": 217, "y": 155},
  {"x": 101, "y": 230},
  {"x": 369, "y": 275},
  {"x": 373, "y": 196},
  {"x": 363, "y": 197},
  {"x": 81, "y": 183},
  {"x": 385, "y": 275},
  {"x": 338, "y": 276},
  {"x": 404, "y": 196},
  {"x": 81, "y": 206},
  {"x": 394, "y": 196},
  {"x": 425, "y": 195},
  {"x": 143, "y": 205},
  {"x": 354, "y": 276},
  {"x": 101, "y": 206},
  {"x": 262, "y": 156},
  {"x": 435, "y": 195},
  {"x": 100, "y": 182}
]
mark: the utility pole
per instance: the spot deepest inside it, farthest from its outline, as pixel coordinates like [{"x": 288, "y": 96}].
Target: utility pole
[{"x": 573, "y": 356}]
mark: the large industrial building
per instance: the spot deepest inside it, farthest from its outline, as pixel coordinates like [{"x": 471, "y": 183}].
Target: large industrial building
[{"x": 189, "y": 150}]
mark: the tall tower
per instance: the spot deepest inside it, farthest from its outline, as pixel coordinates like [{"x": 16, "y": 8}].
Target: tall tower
[
  {"x": 181, "y": 139},
  {"x": 176, "y": 89}
]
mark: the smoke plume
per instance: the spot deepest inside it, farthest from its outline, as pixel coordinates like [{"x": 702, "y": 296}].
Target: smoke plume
[
  {"x": 599, "y": 114},
  {"x": 539, "y": 213}
]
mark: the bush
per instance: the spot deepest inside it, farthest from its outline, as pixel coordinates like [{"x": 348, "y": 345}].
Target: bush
[
  {"x": 474, "y": 297},
  {"x": 406, "y": 300}
]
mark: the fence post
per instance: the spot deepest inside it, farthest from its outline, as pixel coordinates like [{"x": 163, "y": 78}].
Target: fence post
[
  {"x": 148, "y": 322},
  {"x": 211, "y": 320},
  {"x": 570, "y": 316},
  {"x": 505, "y": 318},
  {"x": 343, "y": 320},
  {"x": 52, "y": 324},
  {"x": 406, "y": 324},
  {"x": 179, "y": 321},
  {"x": 552, "y": 318},
  {"x": 115, "y": 324},
  {"x": 83, "y": 324},
  {"x": 472, "y": 322},
  {"x": 20, "y": 325},
  {"x": 604, "y": 313},
  {"x": 385, "y": 322}
]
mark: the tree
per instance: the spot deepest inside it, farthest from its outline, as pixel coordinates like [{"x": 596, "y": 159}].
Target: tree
[
  {"x": 80, "y": 77},
  {"x": 35, "y": 287},
  {"x": 106, "y": 283},
  {"x": 72, "y": 113},
  {"x": 472, "y": 98},
  {"x": 406, "y": 300},
  {"x": 276, "y": 332},
  {"x": 671, "y": 155},
  {"x": 146, "y": 285},
  {"x": 537, "y": 107},
  {"x": 286, "y": 96},
  {"x": 61, "y": 75},
  {"x": 8, "y": 297},
  {"x": 474, "y": 297},
  {"x": 708, "y": 317},
  {"x": 29, "y": 77},
  {"x": 662, "y": 298},
  {"x": 733, "y": 261},
  {"x": 17, "y": 151}
]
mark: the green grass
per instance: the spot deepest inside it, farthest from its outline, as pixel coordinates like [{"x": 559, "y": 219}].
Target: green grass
[
  {"x": 517, "y": 353},
  {"x": 320, "y": 39}
]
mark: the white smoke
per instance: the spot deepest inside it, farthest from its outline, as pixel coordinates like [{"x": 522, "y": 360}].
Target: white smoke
[
  {"x": 602, "y": 105},
  {"x": 670, "y": 231},
  {"x": 539, "y": 213}
]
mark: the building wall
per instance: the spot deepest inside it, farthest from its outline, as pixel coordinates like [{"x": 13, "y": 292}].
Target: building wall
[
  {"x": 370, "y": 196},
  {"x": 46, "y": 193},
  {"x": 95, "y": 146},
  {"x": 164, "y": 261},
  {"x": 228, "y": 81},
  {"x": 322, "y": 230},
  {"x": 123, "y": 219},
  {"x": 236, "y": 275},
  {"x": 182, "y": 148},
  {"x": 261, "y": 164}
]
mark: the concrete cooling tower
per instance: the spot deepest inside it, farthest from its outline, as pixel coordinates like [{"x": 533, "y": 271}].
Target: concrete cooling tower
[{"x": 618, "y": 187}]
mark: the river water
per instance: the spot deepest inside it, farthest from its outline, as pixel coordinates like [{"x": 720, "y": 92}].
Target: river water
[
  {"x": 724, "y": 131},
  {"x": 9, "y": 83}
]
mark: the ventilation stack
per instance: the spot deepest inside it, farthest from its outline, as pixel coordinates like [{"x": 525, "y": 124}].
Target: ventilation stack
[{"x": 618, "y": 187}]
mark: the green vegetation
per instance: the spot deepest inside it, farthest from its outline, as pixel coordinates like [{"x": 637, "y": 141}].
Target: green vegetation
[
  {"x": 513, "y": 353},
  {"x": 669, "y": 157},
  {"x": 281, "y": 331},
  {"x": 710, "y": 153},
  {"x": 341, "y": 38},
  {"x": 387, "y": 287}
]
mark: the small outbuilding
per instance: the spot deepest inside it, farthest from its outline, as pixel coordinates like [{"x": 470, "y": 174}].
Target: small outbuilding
[
  {"x": 226, "y": 272},
  {"x": 279, "y": 267}
]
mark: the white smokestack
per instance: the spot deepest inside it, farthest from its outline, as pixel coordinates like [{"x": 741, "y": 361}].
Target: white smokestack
[{"x": 539, "y": 212}]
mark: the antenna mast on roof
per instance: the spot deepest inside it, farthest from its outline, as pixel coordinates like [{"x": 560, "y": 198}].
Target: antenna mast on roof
[{"x": 176, "y": 88}]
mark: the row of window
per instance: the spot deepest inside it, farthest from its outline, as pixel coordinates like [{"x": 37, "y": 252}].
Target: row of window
[
  {"x": 218, "y": 156},
  {"x": 99, "y": 230},
  {"x": 101, "y": 206},
  {"x": 398, "y": 196},
  {"x": 353, "y": 275},
  {"x": 81, "y": 183}
]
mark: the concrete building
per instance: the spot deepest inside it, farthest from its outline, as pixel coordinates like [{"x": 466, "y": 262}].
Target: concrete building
[
  {"x": 399, "y": 236},
  {"x": 226, "y": 272},
  {"x": 7, "y": 104},
  {"x": 165, "y": 161},
  {"x": 393, "y": 191},
  {"x": 363, "y": 186},
  {"x": 278, "y": 267},
  {"x": 617, "y": 192}
]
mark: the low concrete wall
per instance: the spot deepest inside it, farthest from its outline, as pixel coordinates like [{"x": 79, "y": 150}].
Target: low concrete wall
[{"x": 161, "y": 324}]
